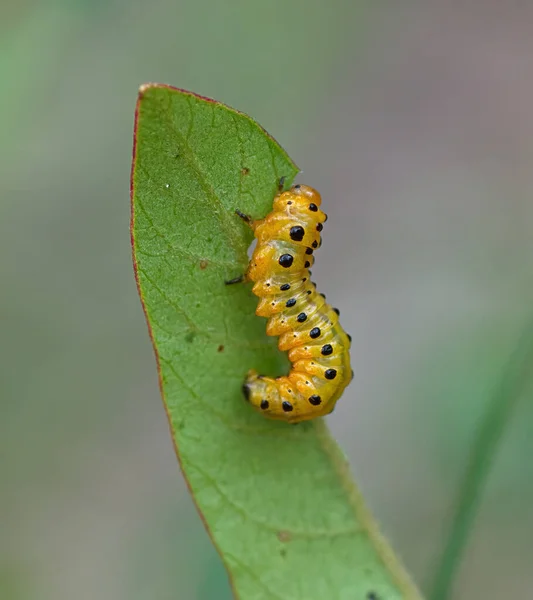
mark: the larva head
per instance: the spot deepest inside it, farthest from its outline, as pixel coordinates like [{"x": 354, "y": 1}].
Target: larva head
[{"x": 299, "y": 196}]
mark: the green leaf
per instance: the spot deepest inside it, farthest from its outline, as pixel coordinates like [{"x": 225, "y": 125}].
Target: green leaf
[{"x": 278, "y": 500}]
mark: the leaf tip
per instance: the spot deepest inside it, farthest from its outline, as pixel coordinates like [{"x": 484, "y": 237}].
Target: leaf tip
[{"x": 146, "y": 87}]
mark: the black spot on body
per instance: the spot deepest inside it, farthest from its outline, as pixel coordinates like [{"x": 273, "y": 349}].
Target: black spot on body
[
  {"x": 319, "y": 227},
  {"x": 296, "y": 187},
  {"x": 315, "y": 400},
  {"x": 287, "y": 406},
  {"x": 285, "y": 260},
  {"x": 313, "y": 207},
  {"x": 325, "y": 217},
  {"x": 349, "y": 337},
  {"x": 323, "y": 296},
  {"x": 326, "y": 350},
  {"x": 285, "y": 287},
  {"x": 309, "y": 292},
  {"x": 330, "y": 374},
  {"x": 289, "y": 202},
  {"x": 246, "y": 391},
  {"x": 297, "y": 233},
  {"x": 290, "y": 302},
  {"x": 314, "y": 244},
  {"x": 336, "y": 310},
  {"x": 314, "y": 333},
  {"x": 353, "y": 374},
  {"x": 301, "y": 317},
  {"x": 264, "y": 404},
  {"x": 307, "y": 264},
  {"x": 309, "y": 250}
]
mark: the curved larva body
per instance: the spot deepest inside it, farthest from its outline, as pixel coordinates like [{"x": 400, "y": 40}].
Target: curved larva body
[{"x": 308, "y": 327}]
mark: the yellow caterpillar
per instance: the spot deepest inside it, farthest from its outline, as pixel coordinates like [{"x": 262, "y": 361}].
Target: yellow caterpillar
[{"x": 307, "y": 326}]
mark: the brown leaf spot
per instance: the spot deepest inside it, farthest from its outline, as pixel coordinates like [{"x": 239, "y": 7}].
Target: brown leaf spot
[
  {"x": 245, "y": 171},
  {"x": 203, "y": 264},
  {"x": 284, "y": 535},
  {"x": 220, "y": 348}
]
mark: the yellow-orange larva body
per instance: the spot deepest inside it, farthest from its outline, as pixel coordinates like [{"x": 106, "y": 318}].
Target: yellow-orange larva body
[{"x": 307, "y": 326}]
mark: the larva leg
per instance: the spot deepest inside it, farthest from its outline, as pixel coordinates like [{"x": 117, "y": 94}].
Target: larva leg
[
  {"x": 246, "y": 218},
  {"x": 239, "y": 279}
]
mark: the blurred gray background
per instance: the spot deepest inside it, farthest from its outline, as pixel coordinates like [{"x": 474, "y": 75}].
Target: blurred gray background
[{"x": 414, "y": 120}]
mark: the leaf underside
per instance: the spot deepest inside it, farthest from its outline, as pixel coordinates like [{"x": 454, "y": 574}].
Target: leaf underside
[{"x": 277, "y": 500}]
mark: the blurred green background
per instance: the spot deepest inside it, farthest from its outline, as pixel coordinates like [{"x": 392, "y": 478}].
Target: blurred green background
[{"x": 414, "y": 121}]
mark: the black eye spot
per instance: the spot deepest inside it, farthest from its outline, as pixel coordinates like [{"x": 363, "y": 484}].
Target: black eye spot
[
  {"x": 327, "y": 349},
  {"x": 286, "y": 406},
  {"x": 297, "y": 233},
  {"x": 301, "y": 317},
  {"x": 307, "y": 264},
  {"x": 285, "y": 260},
  {"x": 290, "y": 302},
  {"x": 349, "y": 337},
  {"x": 314, "y": 333},
  {"x": 313, "y": 207},
  {"x": 309, "y": 250},
  {"x": 319, "y": 227},
  {"x": 314, "y": 244},
  {"x": 330, "y": 374},
  {"x": 315, "y": 400},
  {"x": 284, "y": 287},
  {"x": 246, "y": 391},
  {"x": 336, "y": 310},
  {"x": 264, "y": 404}
]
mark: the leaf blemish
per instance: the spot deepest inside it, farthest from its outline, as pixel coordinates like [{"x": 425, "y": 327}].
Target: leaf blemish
[
  {"x": 284, "y": 535},
  {"x": 245, "y": 171},
  {"x": 203, "y": 264},
  {"x": 220, "y": 348}
]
